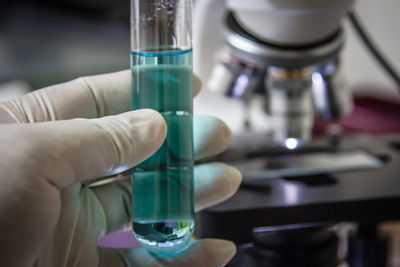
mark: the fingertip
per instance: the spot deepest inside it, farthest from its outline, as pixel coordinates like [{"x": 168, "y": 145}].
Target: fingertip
[
  {"x": 219, "y": 251},
  {"x": 214, "y": 183},
  {"x": 136, "y": 135},
  {"x": 211, "y": 136},
  {"x": 235, "y": 178},
  {"x": 197, "y": 84},
  {"x": 228, "y": 181},
  {"x": 150, "y": 120},
  {"x": 227, "y": 133},
  {"x": 158, "y": 121},
  {"x": 200, "y": 253}
]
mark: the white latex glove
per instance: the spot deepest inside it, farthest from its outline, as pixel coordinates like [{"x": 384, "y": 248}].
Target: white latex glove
[{"x": 49, "y": 217}]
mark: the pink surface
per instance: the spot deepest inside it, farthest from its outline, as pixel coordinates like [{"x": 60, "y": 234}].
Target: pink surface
[
  {"x": 119, "y": 239},
  {"x": 370, "y": 115}
]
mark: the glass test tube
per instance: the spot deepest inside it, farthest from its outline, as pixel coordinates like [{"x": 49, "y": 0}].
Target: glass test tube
[{"x": 162, "y": 79}]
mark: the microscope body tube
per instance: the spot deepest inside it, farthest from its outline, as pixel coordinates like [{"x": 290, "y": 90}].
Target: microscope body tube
[
  {"x": 162, "y": 79},
  {"x": 291, "y": 107}
]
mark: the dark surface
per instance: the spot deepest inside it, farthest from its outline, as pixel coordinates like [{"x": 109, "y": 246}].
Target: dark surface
[
  {"x": 354, "y": 196},
  {"x": 310, "y": 246},
  {"x": 368, "y": 247},
  {"x": 46, "y": 42}
]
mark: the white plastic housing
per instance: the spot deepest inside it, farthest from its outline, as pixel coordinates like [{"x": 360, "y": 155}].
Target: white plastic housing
[{"x": 290, "y": 22}]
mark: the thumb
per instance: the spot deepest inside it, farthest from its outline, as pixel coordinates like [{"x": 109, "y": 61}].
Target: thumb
[
  {"x": 200, "y": 253},
  {"x": 68, "y": 151}
]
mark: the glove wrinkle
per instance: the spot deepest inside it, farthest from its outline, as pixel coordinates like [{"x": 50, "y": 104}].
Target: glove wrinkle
[
  {"x": 115, "y": 257},
  {"x": 124, "y": 188},
  {"x": 98, "y": 99},
  {"x": 120, "y": 139},
  {"x": 19, "y": 105},
  {"x": 35, "y": 108},
  {"x": 73, "y": 224},
  {"x": 48, "y": 108},
  {"x": 11, "y": 112},
  {"x": 45, "y": 110},
  {"x": 122, "y": 259}
]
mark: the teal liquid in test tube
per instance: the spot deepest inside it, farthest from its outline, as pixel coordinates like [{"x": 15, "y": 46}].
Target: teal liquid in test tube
[{"x": 162, "y": 79}]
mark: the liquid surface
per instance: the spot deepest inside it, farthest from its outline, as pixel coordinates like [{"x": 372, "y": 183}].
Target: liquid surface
[{"x": 162, "y": 186}]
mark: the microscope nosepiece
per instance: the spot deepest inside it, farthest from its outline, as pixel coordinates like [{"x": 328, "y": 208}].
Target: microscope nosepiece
[{"x": 290, "y": 105}]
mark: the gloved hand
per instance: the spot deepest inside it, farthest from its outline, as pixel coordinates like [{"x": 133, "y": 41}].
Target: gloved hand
[{"x": 50, "y": 217}]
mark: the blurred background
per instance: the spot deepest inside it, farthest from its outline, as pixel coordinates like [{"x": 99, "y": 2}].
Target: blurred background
[{"x": 43, "y": 42}]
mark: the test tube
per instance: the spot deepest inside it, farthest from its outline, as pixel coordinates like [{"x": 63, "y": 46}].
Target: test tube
[{"x": 162, "y": 79}]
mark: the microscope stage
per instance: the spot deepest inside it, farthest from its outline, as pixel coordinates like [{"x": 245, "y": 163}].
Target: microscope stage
[{"x": 357, "y": 181}]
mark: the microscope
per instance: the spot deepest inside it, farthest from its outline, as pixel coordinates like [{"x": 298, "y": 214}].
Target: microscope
[
  {"x": 296, "y": 190},
  {"x": 287, "y": 51}
]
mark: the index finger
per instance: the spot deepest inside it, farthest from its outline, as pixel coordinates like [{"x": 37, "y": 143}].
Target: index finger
[{"x": 86, "y": 97}]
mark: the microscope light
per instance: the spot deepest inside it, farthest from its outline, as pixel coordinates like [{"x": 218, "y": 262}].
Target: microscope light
[
  {"x": 292, "y": 143},
  {"x": 317, "y": 79}
]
